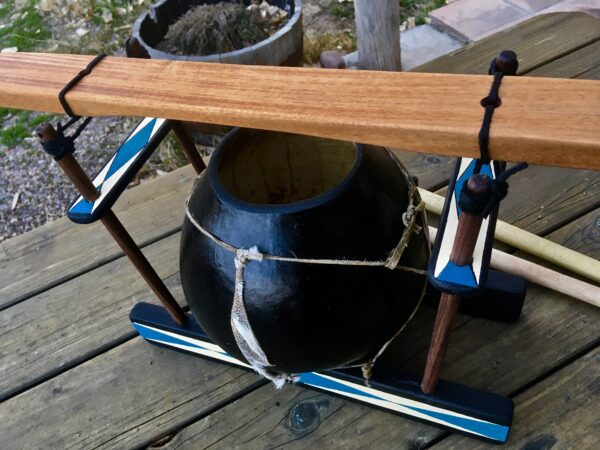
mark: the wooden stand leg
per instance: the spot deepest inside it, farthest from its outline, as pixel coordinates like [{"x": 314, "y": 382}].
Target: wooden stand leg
[
  {"x": 465, "y": 240},
  {"x": 439, "y": 341},
  {"x": 86, "y": 188},
  {"x": 133, "y": 252},
  {"x": 188, "y": 146}
]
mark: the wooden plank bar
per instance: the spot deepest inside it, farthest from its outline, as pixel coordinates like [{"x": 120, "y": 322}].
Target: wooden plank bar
[
  {"x": 125, "y": 398},
  {"x": 541, "y": 120}
]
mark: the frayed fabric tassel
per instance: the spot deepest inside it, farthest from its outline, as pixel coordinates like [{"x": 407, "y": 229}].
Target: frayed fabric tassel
[{"x": 240, "y": 324}]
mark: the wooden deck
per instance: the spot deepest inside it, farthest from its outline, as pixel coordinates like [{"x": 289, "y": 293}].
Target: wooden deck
[{"x": 74, "y": 374}]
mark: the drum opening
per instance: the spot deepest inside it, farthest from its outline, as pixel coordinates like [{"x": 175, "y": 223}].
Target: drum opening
[{"x": 271, "y": 168}]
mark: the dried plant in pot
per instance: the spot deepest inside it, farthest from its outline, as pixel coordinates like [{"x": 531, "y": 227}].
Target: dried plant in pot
[{"x": 282, "y": 48}]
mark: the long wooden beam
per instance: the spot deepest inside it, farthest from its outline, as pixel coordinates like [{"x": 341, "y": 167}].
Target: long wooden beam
[{"x": 541, "y": 120}]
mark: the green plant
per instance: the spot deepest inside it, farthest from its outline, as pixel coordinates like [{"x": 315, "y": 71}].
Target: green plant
[
  {"x": 171, "y": 154},
  {"x": 21, "y": 125},
  {"x": 24, "y": 29},
  {"x": 344, "y": 10}
]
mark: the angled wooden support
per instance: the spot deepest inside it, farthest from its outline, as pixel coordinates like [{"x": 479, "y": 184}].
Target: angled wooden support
[{"x": 189, "y": 147}]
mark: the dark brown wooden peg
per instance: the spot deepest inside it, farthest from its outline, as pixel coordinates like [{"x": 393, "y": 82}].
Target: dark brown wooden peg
[{"x": 507, "y": 63}]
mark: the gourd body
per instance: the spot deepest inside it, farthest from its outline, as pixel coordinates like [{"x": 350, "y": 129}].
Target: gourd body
[{"x": 302, "y": 197}]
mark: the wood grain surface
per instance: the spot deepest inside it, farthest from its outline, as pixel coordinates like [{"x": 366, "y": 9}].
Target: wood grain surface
[
  {"x": 541, "y": 120},
  {"x": 59, "y": 251},
  {"x": 78, "y": 319},
  {"x": 560, "y": 412},
  {"x": 125, "y": 398}
]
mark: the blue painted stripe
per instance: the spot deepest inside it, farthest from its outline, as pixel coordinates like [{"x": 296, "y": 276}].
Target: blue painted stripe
[
  {"x": 462, "y": 275},
  {"x": 487, "y": 429},
  {"x": 131, "y": 148},
  {"x": 82, "y": 207},
  {"x": 316, "y": 380}
]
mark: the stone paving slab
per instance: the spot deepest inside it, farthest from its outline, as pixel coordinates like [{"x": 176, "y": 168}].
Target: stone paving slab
[
  {"x": 425, "y": 43},
  {"x": 473, "y": 20}
]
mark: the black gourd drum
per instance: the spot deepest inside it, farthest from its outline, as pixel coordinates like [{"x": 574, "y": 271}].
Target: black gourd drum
[{"x": 302, "y": 197}]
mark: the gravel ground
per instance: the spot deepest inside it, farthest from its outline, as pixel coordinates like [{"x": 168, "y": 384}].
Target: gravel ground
[{"x": 33, "y": 189}]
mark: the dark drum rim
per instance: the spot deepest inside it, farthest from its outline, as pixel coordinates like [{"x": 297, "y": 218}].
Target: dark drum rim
[{"x": 286, "y": 208}]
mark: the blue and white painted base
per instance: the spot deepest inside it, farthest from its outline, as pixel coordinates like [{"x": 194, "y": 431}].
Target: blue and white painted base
[
  {"x": 454, "y": 407},
  {"x": 118, "y": 172}
]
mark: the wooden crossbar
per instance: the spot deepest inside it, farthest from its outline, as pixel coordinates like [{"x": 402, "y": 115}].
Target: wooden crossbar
[{"x": 541, "y": 120}]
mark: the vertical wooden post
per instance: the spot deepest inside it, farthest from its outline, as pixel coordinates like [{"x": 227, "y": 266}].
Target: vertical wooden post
[
  {"x": 378, "y": 34},
  {"x": 189, "y": 147}
]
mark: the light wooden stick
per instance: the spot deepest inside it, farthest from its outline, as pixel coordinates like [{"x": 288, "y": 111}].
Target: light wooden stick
[
  {"x": 530, "y": 243},
  {"x": 540, "y": 275}
]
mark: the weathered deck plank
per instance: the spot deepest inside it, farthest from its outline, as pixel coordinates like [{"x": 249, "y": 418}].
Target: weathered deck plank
[
  {"x": 124, "y": 398},
  {"x": 542, "y": 199},
  {"x": 560, "y": 412},
  {"x": 61, "y": 250},
  {"x": 88, "y": 314},
  {"x": 492, "y": 356},
  {"x": 572, "y": 65},
  {"x": 78, "y": 319},
  {"x": 536, "y": 42}
]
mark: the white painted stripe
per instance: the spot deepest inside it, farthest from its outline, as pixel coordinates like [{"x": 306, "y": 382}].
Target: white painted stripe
[
  {"x": 396, "y": 407},
  {"x": 395, "y": 398},
  {"x": 141, "y": 125},
  {"x": 387, "y": 401},
  {"x": 208, "y": 345},
  {"x": 208, "y": 353}
]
